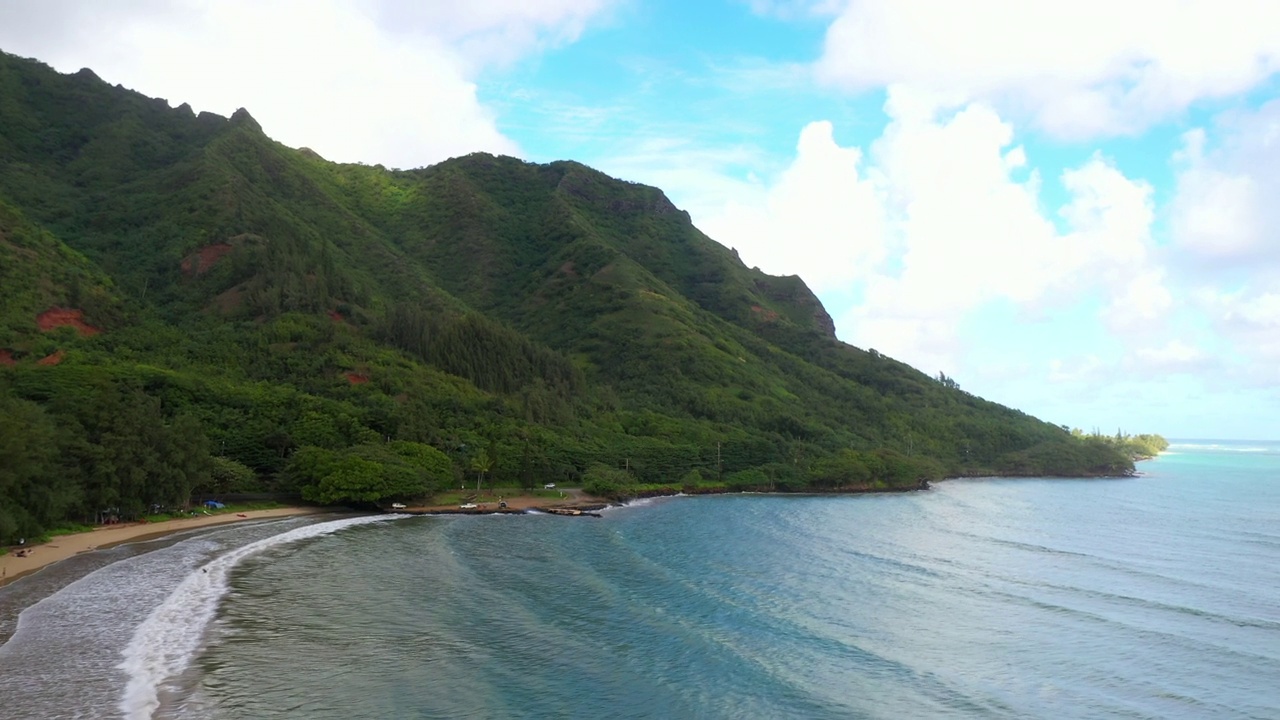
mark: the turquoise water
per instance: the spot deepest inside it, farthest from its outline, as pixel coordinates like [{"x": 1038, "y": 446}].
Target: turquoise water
[{"x": 1151, "y": 597}]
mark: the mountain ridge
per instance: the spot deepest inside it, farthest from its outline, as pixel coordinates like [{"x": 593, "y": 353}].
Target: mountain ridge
[{"x": 278, "y": 315}]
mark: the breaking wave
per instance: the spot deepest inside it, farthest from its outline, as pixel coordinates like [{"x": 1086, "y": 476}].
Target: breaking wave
[{"x": 165, "y": 643}]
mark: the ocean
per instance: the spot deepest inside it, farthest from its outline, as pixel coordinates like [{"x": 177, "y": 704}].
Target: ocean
[{"x": 1150, "y": 597}]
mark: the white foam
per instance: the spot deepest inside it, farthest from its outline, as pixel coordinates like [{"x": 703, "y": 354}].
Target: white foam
[
  {"x": 165, "y": 643},
  {"x": 639, "y": 503},
  {"x": 1219, "y": 447}
]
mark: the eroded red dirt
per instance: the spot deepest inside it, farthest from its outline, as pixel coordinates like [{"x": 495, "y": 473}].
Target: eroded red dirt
[
  {"x": 765, "y": 314},
  {"x": 65, "y": 317},
  {"x": 6, "y": 358},
  {"x": 199, "y": 262},
  {"x": 356, "y": 378},
  {"x": 53, "y": 359}
]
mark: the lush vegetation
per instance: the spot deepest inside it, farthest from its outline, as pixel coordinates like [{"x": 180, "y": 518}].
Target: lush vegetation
[
  {"x": 1135, "y": 447},
  {"x": 191, "y": 307}
]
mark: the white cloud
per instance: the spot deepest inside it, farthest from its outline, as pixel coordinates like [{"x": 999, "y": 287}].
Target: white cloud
[
  {"x": 1085, "y": 369},
  {"x": 1224, "y": 215},
  {"x": 1086, "y": 68},
  {"x": 492, "y": 31},
  {"x": 790, "y": 9},
  {"x": 1175, "y": 356},
  {"x": 943, "y": 218},
  {"x": 972, "y": 233},
  {"x": 1250, "y": 322},
  {"x": 820, "y": 220},
  {"x": 1141, "y": 305},
  {"x": 377, "y": 82},
  {"x": 702, "y": 178}
]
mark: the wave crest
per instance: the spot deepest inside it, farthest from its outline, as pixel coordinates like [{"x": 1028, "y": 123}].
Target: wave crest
[{"x": 165, "y": 643}]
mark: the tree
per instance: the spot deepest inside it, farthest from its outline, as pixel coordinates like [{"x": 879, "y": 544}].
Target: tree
[
  {"x": 227, "y": 476},
  {"x": 481, "y": 463},
  {"x": 434, "y": 466},
  {"x": 32, "y": 493},
  {"x": 607, "y": 482}
]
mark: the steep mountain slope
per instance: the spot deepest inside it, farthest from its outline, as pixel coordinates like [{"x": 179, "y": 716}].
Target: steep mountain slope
[{"x": 285, "y": 318}]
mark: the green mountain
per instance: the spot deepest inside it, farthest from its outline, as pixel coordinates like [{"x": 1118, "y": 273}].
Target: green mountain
[{"x": 190, "y": 305}]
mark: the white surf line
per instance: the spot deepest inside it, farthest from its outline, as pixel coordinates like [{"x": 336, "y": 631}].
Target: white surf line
[{"x": 166, "y": 642}]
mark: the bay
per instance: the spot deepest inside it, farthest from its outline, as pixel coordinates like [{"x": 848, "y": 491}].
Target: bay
[{"x": 1153, "y": 596}]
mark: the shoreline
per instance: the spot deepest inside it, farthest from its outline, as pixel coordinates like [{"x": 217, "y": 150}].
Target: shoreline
[
  {"x": 572, "y": 498},
  {"x": 62, "y": 547}
]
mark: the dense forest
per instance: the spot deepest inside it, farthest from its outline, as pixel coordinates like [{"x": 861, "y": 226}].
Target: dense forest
[{"x": 190, "y": 307}]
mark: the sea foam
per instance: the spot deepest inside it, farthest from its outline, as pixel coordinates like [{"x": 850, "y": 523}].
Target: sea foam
[{"x": 166, "y": 642}]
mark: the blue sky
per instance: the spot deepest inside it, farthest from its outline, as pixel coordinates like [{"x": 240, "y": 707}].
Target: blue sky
[{"x": 1067, "y": 207}]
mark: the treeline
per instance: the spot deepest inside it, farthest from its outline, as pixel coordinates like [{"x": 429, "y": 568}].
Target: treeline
[
  {"x": 94, "y": 455},
  {"x": 1136, "y": 447}
]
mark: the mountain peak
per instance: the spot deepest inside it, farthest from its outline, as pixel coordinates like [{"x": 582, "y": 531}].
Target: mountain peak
[{"x": 241, "y": 117}]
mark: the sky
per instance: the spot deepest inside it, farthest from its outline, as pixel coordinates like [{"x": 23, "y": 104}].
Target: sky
[{"x": 1062, "y": 206}]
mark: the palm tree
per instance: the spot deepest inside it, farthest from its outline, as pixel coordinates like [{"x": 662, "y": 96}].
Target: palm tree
[{"x": 482, "y": 463}]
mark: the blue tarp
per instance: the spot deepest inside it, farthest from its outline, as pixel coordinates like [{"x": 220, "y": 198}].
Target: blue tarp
[{"x": 213, "y": 504}]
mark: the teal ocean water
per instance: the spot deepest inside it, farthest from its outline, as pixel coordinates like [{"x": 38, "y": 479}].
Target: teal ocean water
[{"x": 1151, "y": 597}]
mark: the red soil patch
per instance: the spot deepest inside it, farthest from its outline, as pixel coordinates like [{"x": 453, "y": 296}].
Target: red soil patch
[
  {"x": 6, "y": 358},
  {"x": 336, "y": 316},
  {"x": 765, "y": 315},
  {"x": 199, "y": 262},
  {"x": 567, "y": 269},
  {"x": 356, "y": 378},
  {"x": 53, "y": 359},
  {"x": 65, "y": 317}
]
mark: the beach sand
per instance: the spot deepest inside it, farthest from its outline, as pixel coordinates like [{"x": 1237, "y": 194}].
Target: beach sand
[
  {"x": 13, "y": 567},
  {"x": 62, "y": 547}
]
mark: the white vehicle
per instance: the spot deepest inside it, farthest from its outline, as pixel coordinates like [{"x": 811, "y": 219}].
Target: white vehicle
[
  {"x": 549, "y": 486},
  {"x": 398, "y": 506},
  {"x": 468, "y": 506}
]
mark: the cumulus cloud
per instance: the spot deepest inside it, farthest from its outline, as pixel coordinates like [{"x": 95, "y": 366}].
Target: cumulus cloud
[
  {"x": 1080, "y": 370},
  {"x": 1174, "y": 356},
  {"x": 941, "y": 218},
  {"x": 1079, "y": 69},
  {"x": 1141, "y": 304},
  {"x": 1224, "y": 215},
  {"x": 492, "y": 31},
  {"x": 1249, "y": 321},
  {"x": 1225, "y": 225},
  {"x": 973, "y": 233},
  {"x": 379, "y": 82},
  {"x": 821, "y": 220}
]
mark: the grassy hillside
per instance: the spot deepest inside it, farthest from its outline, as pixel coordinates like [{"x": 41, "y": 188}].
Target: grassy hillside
[{"x": 191, "y": 306}]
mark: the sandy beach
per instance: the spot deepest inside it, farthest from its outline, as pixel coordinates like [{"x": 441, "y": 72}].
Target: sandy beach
[
  {"x": 13, "y": 567},
  {"x": 62, "y": 547}
]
